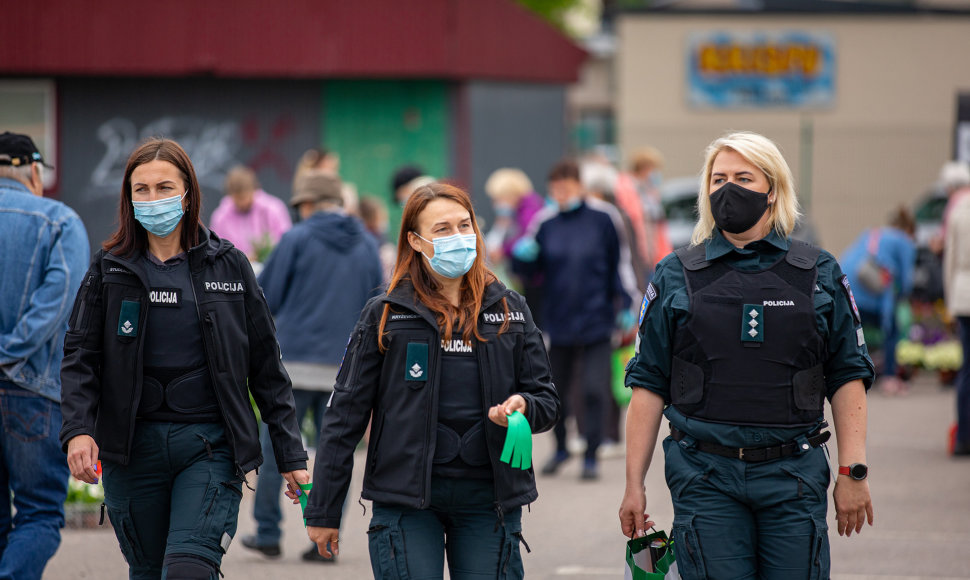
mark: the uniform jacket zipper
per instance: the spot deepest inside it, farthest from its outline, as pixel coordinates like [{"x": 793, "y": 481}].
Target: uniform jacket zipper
[{"x": 143, "y": 323}]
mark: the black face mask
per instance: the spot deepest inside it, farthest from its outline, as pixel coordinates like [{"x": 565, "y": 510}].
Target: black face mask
[{"x": 736, "y": 209}]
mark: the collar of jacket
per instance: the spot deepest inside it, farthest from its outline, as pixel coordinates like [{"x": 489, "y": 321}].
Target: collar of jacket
[
  {"x": 210, "y": 247},
  {"x": 718, "y": 246},
  {"x": 403, "y": 295}
]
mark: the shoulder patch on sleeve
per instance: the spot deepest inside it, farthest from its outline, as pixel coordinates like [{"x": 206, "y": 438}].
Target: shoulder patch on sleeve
[
  {"x": 844, "y": 281},
  {"x": 648, "y": 298}
]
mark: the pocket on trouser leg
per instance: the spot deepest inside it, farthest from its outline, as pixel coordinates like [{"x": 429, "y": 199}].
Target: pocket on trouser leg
[
  {"x": 821, "y": 559},
  {"x": 690, "y": 562},
  {"x": 510, "y": 563},
  {"x": 217, "y": 523},
  {"x": 388, "y": 550},
  {"x": 119, "y": 513},
  {"x": 26, "y": 416}
]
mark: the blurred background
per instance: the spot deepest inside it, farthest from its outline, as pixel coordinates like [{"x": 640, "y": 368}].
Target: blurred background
[{"x": 866, "y": 99}]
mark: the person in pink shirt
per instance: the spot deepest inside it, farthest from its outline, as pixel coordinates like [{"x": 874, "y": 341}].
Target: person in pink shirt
[{"x": 249, "y": 217}]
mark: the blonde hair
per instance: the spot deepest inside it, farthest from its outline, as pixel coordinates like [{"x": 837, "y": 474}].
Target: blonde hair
[
  {"x": 763, "y": 154},
  {"x": 646, "y": 157},
  {"x": 508, "y": 183}
]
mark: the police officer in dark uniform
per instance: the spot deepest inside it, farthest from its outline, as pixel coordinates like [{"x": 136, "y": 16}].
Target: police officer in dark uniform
[
  {"x": 743, "y": 334},
  {"x": 169, "y": 335}
]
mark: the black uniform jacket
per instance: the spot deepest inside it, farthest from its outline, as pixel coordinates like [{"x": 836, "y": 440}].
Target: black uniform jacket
[
  {"x": 403, "y": 400},
  {"x": 101, "y": 376}
]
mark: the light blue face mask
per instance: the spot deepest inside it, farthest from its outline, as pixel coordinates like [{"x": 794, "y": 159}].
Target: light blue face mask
[
  {"x": 571, "y": 205},
  {"x": 453, "y": 255},
  {"x": 161, "y": 216}
]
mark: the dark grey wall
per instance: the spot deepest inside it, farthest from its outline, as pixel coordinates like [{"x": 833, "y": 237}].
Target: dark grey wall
[
  {"x": 266, "y": 125},
  {"x": 514, "y": 125}
]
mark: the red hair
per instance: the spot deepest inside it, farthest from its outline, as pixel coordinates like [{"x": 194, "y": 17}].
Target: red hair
[
  {"x": 412, "y": 267},
  {"x": 130, "y": 237}
]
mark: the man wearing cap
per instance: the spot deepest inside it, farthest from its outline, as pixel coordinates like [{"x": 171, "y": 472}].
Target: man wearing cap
[
  {"x": 316, "y": 282},
  {"x": 44, "y": 253}
]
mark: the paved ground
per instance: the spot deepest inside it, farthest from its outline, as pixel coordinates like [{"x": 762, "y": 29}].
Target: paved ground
[{"x": 921, "y": 499}]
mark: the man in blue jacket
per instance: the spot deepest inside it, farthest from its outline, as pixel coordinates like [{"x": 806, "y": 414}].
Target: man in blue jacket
[
  {"x": 44, "y": 253},
  {"x": 316, "y": 282},
  {"x": 578, "y": 248}
]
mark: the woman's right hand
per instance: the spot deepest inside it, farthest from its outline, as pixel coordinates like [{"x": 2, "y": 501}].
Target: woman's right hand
[
  {"x": 322, "y": 536},
  {"x": 633, "y": 518},
  {"x": 82, "y": 458}
]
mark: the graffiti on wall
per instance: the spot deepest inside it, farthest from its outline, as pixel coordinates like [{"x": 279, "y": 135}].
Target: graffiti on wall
[{"x": 213, "y": 146}]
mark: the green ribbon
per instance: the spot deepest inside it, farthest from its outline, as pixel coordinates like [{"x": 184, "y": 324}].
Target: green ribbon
[
  {"x": 306, "y": 487},
  {"x": 517, "y": 451}
]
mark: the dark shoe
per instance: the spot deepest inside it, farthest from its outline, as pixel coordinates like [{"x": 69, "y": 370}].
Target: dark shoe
[
  {"x": 590, "y": 471},
  {"x": 552, "y": 466},
  {"x": 268, "y": 550},
  {"x": 313, "y": 555}
]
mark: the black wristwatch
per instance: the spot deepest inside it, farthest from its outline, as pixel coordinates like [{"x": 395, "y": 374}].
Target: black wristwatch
[{"x": 857, "y": 471}]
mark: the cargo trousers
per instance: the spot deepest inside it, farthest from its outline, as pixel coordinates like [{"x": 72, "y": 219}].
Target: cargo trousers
[
  {"x": 176, "y": 501},
  {"x": 744, "y": 520}
]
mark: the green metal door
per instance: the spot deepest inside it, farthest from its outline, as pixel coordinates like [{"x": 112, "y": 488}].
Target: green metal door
[{"x": 377, "y": 126}]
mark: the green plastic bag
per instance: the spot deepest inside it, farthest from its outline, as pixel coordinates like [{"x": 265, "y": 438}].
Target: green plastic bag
[
  {"x": 621, "y": 357},
  {"x": 651, "y": 558}
]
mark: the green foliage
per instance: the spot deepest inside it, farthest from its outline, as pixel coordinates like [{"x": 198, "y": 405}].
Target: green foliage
[{"x": 552, "y": 11}]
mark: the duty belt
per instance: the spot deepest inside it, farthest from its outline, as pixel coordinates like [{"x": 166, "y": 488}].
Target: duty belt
[{"x": 752, "y": 454}]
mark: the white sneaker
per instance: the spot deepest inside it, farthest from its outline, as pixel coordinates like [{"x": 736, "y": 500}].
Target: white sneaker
[
  {"x": 576, "y": 446},
  {"x": 611, "y": 450}
]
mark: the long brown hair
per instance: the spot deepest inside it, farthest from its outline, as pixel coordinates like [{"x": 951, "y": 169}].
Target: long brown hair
[
  {"x": 412, "y": 267},
  {"x": 131, "y": 238}
]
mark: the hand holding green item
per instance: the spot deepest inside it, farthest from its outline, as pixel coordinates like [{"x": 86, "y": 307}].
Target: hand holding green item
[
  {"x": 517, "y": 451},
  {"x": 305, "y": 487}
]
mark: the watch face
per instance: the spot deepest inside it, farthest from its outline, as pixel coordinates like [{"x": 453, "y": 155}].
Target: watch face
[{"x": 858, "y": 471}]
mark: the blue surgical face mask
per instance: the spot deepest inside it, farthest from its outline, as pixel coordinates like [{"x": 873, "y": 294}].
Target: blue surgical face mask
[
  {"x": 453, "y": 255},
  {"x": 571, "y": 205},
  {"x": 161, "y": 216}
]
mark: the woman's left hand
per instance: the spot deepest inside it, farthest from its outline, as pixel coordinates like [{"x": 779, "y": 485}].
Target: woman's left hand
[
  {"x": 853, "y": 505},
  {"x": 293, "y": 481},
  {"x": 499, "y": 413}
]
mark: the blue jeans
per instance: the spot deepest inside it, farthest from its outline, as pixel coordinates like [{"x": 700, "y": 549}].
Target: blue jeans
[
  {"x": 410, "y": 544},
  {"x": 177, "y": 498},
  {"x": 735, "y": 520},
  {"x": 269, "y": 483},
  {"x": 963, "y": 384},
  {"x": 35, "y": 469}
]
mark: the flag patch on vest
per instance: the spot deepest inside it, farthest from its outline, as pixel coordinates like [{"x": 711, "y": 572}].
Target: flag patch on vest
[
  {"x": 416, "y": 362},
  {"x": 128, "y": 318},
  {"x": 167, "y": 297},
  {"x": 752, "y": 323},
  {"x": 844, "y": 280},
  {"x": 648, "y": 297}
]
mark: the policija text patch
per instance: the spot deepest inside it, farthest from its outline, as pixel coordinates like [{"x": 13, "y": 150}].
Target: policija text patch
[{"x": 166, "y": 297}]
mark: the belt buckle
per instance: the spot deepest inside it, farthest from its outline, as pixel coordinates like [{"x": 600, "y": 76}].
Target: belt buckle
[{"x": 741, "y": 453}]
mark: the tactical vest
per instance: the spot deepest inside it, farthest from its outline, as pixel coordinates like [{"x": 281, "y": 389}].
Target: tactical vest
[{"x": 750, "y": 353}]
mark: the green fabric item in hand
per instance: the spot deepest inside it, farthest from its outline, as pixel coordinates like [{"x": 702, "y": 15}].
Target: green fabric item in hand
[
  {"x": 306, "y": 487},
  {"x": 517, "y": 451}
]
